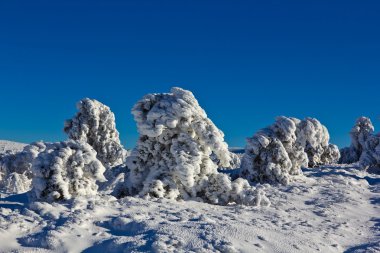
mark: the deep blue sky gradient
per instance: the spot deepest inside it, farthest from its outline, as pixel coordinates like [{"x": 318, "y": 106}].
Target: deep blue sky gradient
[{"x": 245, "y": 61}]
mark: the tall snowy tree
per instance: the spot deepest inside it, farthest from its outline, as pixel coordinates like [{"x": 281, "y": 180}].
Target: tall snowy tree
[
  {"x": 95, "y": 125},
  {"x": 173, "y": 154}
]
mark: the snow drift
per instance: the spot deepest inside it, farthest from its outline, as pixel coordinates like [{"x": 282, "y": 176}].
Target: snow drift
[
  {"x": 277, "y": 152},
  {"x": 64, "y": 170},
  {"x": 95, "y": 125},
  {"x": 173, "y": 154}
]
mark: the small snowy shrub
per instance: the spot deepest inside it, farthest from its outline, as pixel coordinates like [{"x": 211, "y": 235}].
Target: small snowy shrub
[
  {"x": 16, "y": 168},
  {"x": 95, "y": 125},
  {"x": 360, "y": 133},
  {"x": 64, "y": 170},
  {"x": 279, "y": 151},
  {"x": 173, "y": 154}
]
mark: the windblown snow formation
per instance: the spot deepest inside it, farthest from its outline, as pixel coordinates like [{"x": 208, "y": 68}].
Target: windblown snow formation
[
  {"x": 172, "y": 158},
  {"x": 95, "y": 125},
  {"x": 365, "y": 145},
  {"x": 64, "y": 170},
  {"x": 277, "y": 152}
]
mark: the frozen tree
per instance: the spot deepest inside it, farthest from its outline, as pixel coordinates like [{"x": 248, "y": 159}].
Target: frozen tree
[
  {"x": 365, "y": 145},
  {"x": 362, "y": 130},
  {"x": 173, "y": 154},
  {"x": 15, "y": 168},
  {"x": 279, "y": 151},
  {"x": 64, "y": 170},
  {"x": 370, "y": 156},
  {"x": 330, "y": 155},
  {"x": 273, "y": 154},
  {"x": 95, "y": 125},
  {"x": 314, "y": 137}
]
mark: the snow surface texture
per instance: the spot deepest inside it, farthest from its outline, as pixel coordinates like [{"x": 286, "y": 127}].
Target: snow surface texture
[
  {"x": 95, "y": 125},
  {"x": 64, "y": 170},
  {"x": 278, "y": 152},
  {"x": 365, "y": 148},
  {"x": 332, "y": 209},
  {"x": 173, "y": 154}
]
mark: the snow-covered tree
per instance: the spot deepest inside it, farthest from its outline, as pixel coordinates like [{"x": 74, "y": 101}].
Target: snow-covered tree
[
  {"x": 173, "y": 154},
  {"x": 370, "y": 156},
  {"x": 365, "y": 145},
  {"x": 314, "y": 137},
  {"x": 279, "y": 151},
  {"x": 361, "y": 131},
  {"x": 95, "y": 125},
  {"x": 64, "y": 170},
  {"x": 273, "y": 154}
]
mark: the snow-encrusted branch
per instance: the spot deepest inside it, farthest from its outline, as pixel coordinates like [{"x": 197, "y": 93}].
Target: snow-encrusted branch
[
  {"x": 95, "y": 125},
  {"x": 172, "y": 158}
]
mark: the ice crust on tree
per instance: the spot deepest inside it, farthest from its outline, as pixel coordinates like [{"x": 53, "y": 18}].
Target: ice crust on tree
[
  {"x": 95, "y": 125},
  {"x": 279, "y": 151},
  {"x": 172, "y": 158},
  {"x": 360, "y": 133},
  {"x": 64, "y": 170}
]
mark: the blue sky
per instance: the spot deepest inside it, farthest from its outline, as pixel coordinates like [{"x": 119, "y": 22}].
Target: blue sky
[{"x": 245, "y": 61}]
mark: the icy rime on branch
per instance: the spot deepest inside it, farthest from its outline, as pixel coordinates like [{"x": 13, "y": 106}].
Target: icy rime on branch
[
  {"x": 64, "y": 170},
  {"x": 172, "y": 157},
  {"x": 277, "y": 152},
  {"x": 95, "y": 125}
]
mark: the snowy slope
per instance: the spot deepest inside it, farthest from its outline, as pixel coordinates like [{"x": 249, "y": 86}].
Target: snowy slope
[
  {"x": 10, "y": 145},
  {"x": 330, "y": 209}
]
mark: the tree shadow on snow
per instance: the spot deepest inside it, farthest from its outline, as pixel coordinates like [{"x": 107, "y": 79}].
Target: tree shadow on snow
[
  {"x": 321, "y": 173},
  {"x": 16, "y": 201}
]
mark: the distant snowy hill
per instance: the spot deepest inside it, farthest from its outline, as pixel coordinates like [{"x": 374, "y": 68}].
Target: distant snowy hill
[{"x": 10, "y": 145}]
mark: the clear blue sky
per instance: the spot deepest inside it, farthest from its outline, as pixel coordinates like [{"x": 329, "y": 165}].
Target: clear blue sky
[{"x": 245, "y": 61}]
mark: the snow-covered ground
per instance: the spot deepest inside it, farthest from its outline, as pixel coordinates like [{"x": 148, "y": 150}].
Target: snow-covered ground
[{"x": 329, "y": 209}]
